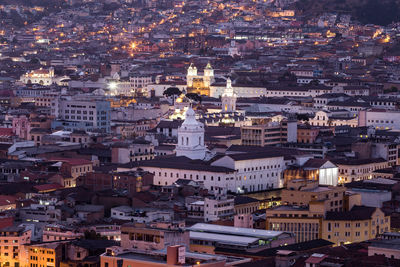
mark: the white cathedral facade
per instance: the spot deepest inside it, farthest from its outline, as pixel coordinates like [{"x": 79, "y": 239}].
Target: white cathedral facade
[{"x": 207, "y": 77}]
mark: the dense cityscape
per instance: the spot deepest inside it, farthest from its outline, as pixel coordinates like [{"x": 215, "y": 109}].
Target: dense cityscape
[{"x": 199, "y": 133}]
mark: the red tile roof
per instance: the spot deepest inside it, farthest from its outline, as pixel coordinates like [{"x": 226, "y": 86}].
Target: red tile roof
[
  {"x": 6, "y": 132},
  {"x": 316, "y": 258},
  {"x": 7, "y": 200}
]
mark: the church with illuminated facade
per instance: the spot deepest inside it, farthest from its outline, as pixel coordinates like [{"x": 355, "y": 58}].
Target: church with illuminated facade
[{"x": 197, "y": 83}]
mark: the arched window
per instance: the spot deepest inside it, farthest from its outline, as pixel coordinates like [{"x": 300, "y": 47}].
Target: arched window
[
  {"x": 199, "y": 140},
  {"x": 187, "y": 141}
]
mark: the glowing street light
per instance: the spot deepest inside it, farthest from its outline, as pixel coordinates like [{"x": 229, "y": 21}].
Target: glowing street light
[{"x": 112, "y": 85}]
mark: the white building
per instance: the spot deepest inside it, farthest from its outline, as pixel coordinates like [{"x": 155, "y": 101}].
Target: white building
[
  {"x": 218, "y": 208},
  {"x": 191, "y": 137},
  {"x": 242, "y": 91},
  {"x": 239, "y": 172},
  {"x": 380, "y": 119},
  {"x": 254, "y": 171},
  {"x": 81, "y": 113},
  {"x": 334, "y": 118},
  {"x": 228, "y": 98},
  {"x": 40, "y": 76}
]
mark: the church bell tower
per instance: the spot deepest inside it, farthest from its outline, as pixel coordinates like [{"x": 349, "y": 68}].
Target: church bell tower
[{"x": 191, "y": 137}]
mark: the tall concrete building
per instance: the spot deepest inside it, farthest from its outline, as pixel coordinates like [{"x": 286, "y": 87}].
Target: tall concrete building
[{"x": 73, "y": 113}]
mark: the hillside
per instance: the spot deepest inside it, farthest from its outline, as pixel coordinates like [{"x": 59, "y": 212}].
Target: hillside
[{"x": 380, "y": 12}]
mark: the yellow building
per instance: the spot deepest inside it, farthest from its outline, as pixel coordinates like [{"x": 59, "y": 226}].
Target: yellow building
[
  {"x": 311, "y": 212},
  {"x": 359, "y": 224},
  {"x": 45, "y": 254},
  {"x": 246, "y": 205},
  {"x": 304, "y": 222}
]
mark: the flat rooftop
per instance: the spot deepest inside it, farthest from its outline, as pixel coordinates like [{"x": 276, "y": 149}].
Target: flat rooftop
[
  {"x": 224, "y": 239},
  {"x": 234, "y": 231},
  {"x": 318, "y": 189}
]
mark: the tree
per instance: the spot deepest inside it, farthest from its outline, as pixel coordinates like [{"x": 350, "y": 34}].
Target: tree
[
  {"x": 172, "y": 91},
  {"x": 194, "y": 97}
]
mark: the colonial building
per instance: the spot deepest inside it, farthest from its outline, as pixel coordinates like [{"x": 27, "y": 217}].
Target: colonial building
[
  {"x": 332, "y": 118},
  {"x": 228, "y": 98},
  {"x": 40, "y": 76},
  {"x": 191, "y": 137},
  {"x": 199, "y": 83},
  {"x": 358, "y": 169}
]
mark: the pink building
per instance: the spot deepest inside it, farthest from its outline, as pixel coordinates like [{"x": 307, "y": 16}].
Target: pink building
[{"x": 21, "y": 127}]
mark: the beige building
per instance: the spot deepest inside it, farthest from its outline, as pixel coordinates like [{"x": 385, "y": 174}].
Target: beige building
[
  {"x": 304, "y": 192},
  {"x": 313, "y": 212},
  {"x": 153, "y": 236},
  {"x": 271, "y": 131},
  {"x": 305, "y": 206},
  {"x": 358, "y": 169}
]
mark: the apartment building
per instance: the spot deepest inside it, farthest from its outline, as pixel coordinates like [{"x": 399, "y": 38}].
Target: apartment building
[
  {"x": 12, "y": 241},
  {"x": 157, "y": 235},
  {"x": 246, "y": 205},
  {"x": 218, "y": 208},
  {"x": 57, "y": 232},
  {"x": 40, "y": 213},
  {"x": 139, "y": 81},
  {"x": 86, "y": 114},
  {"x": 124, "y": 152},
  {"x": 272, "y": 131}
]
